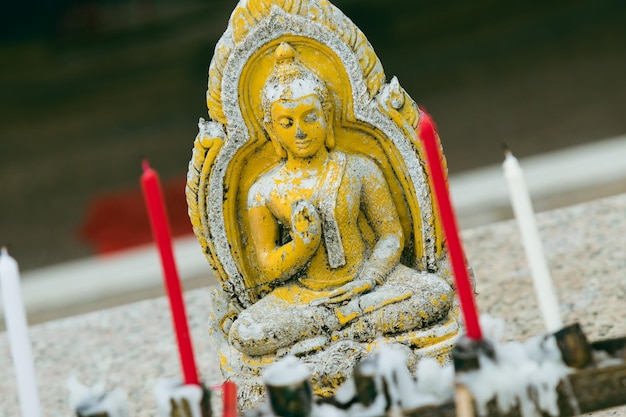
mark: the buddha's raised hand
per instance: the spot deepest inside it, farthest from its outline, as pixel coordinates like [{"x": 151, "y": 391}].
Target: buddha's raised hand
[{"x": 305, "y": 222}]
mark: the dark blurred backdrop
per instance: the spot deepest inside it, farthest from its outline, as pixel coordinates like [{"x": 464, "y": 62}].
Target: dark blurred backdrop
[{"x": 88, "y": 88}]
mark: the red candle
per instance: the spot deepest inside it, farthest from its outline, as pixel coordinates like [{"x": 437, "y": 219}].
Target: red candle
[
  {"x": 448, "y": 220},
  {"x": 153, "y": 196},
  {"x": 229, "y": 399}
]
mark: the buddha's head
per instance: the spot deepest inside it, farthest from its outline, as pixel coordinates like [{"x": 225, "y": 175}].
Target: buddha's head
[{"x": 296, "y": 107}]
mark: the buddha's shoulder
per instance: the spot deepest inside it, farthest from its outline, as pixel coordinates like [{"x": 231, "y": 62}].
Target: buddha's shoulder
[
  {"x": 361, "y": 164},
  {"x": 260, "y": 190}
]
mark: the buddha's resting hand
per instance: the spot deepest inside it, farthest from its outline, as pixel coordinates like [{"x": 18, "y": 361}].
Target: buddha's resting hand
[
  {"x": 373, "y": 270},
  {"x": 305, "y": 222},
  {"x": 346, "y": 292}
]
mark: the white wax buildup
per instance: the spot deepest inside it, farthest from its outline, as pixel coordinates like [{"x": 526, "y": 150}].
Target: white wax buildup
[
  {"x": 518, "y": 369},
  {"x": 392, "y": 366},
  {"x": 346, "y": 392},
  {"x": 173, "y": 389},
  {"x": 326, "y": 410},
  {"x": 377, "y": 408},
  {"x": 435, "y": 383},
  {"x": 95, "y": 400},
  {"x": 287, "y": 371}
]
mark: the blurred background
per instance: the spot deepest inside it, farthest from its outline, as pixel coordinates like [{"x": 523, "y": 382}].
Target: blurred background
[{"x": 90, "y": 87}]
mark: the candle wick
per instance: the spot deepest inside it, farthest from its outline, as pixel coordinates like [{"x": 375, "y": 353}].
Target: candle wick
[
  {"x": 145, "y": 165},
  {"x": 505, "y": 148}
]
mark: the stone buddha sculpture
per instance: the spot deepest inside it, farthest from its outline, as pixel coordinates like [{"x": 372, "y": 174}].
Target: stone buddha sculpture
[
  {"x": 329, "y": 280},
  {"x": 308, "y": 195}
]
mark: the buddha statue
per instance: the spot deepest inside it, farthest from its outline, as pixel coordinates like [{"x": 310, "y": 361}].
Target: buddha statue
[
  {"x": 329, "y": 281},
  {"x": 308, "y": 194}
]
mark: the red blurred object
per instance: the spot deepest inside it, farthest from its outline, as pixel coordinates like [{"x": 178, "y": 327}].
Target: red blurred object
[
  {"x": 117, "y": 221},
  {"x": 153, "y": 195},
  {"x": 426, "y": 132},
  {"x": 229, "y": 399}
]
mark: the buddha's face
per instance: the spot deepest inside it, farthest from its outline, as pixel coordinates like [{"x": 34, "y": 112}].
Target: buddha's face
[{"x": 299, "y": 125}]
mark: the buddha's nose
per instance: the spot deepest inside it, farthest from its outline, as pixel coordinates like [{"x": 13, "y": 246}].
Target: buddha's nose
[{"x": 300, "y": 134}]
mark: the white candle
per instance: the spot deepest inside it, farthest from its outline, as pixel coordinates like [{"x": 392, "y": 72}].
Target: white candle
[
  {"x": 523, "y": 210},
  {"x": 17, "y": 331}
]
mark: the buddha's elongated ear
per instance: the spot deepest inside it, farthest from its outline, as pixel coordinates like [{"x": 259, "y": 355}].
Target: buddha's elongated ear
[
  {"x": 278, "y": 148},
  {"x": 330, "y": 137}
]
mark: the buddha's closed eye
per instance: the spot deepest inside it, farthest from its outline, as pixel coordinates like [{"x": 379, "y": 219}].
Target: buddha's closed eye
[
  {"x": 311, "y": 117},
  {"x": 285, "y": 122}
]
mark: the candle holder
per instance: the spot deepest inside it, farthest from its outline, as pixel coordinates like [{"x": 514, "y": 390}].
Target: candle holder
[
  {"x": 466, "y": 357},
  {"x": 293, "y": 400},
  {"x": 574, "y": 346},
  {"x": 175, "y": 399},
  {"x": 288, "y": 388},
  {"x": 365, "y": 381},
  {"x": 466, "y": 353}
]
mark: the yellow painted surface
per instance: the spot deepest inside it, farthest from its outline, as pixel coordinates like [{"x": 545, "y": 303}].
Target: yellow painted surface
[{"x": 267, "y": 261}]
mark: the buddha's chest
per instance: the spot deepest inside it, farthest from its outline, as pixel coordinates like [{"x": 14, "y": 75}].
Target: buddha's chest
[{"x": 344, "y": 198}]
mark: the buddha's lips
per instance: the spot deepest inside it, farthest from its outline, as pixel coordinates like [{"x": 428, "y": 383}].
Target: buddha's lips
[{"x": 303, "y": 143}]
